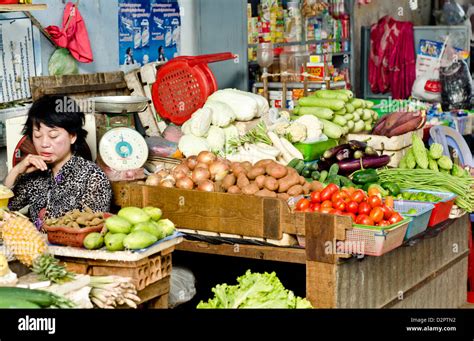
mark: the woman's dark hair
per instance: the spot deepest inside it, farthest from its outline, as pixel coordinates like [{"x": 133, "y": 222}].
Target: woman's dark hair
[{"x": 62, "y": 112}]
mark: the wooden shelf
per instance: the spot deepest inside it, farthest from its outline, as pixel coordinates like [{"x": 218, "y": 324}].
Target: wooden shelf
[{"x": 22, "y": 7}]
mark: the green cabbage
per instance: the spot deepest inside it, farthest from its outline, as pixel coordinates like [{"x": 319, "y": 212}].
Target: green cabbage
[{"x": 254, "y": 290}]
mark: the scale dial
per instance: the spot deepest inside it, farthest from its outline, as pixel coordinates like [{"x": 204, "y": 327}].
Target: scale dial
[{"x": 123, "y": 149}]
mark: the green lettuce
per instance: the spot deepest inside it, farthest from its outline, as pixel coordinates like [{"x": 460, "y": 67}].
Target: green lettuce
[{"x": 254, "y": 290}]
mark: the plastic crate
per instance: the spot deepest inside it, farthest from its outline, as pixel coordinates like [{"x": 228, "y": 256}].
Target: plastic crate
[
  {"x": 374, "y": 240},
  {"x": 420, "y": 219},
  {"x": 441, "y": 208}
]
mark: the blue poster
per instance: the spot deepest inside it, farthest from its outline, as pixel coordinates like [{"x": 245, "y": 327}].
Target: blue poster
[{"x": 149, "y": 30}]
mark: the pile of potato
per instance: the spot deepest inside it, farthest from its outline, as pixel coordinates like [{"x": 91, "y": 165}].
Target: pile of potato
[
  {"x": 77, "y": 219},
  {"x": 266, "y": 178}
]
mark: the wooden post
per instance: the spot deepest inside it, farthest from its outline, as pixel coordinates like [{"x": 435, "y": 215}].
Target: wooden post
[
  {"x": 322, "y": 233},
  {"x": 283, "y": 92}
]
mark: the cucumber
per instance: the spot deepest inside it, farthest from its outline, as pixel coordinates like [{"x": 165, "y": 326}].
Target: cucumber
[
  {"x": 323, "y": 176},
  {"x": 306, "y": 173},
  {"x": 356, "y": 117},
  {"x": 315, "y": 175},
  {"x": 299, "y": 166},
  {"x": 296, "y": 110},
  {"x": 350, "y": 125},
  {"x": 316, "y": 111},
  {"x": 14, "y": 303},
  {"x": 331, "y": 130},
  {"x": 368, "y": 125},
  {"x": 339, "y": 120},
  {"x": 333, "y": 170},
  {"x": 357, "y": 103},
  {"x": 348, "y": 93},
  {"x": 359, "y": 126},
  {"x": 349, "y": 117},
  {"x": 39, "y": 297},
  {"x": 350, "y": 108},
  {"x": 293, "y": 163},
  {"x": 367, "y": 115},
  {"x": 312, "y": 101},
  {"x": 340, "y": 112},
  {"x": 331, "y": 94},
  {"x": 369, "y": 104}
]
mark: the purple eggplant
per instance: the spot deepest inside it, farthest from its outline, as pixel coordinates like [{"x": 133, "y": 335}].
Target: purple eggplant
[
  {"x": 350, "y": 166},
  {"x": 343, "y": 154},
  {"x": 357, "y": 145},
  {"x": 331, "y": 153}
]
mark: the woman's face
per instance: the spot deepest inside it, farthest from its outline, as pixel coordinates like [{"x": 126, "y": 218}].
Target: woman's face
[{"x": 54, "y": 144}]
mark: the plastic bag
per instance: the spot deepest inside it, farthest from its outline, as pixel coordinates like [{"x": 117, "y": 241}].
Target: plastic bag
[
  {"x": 62, "y": 63},
  {"x": 452, "y": 13},
  {"x": 159, "y": 146},
  {"x": 182, "y": 287},
  {"x": 456, "y": 82}
]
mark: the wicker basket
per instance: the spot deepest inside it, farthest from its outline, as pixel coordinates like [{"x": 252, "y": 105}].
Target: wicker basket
[{"x": 69, "y": 236}]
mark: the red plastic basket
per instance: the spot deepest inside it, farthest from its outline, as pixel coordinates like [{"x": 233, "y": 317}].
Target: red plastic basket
[{"x": 183, "y": 85}]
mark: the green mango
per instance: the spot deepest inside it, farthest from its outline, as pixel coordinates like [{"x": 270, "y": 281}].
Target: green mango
[
  {"x": 139, "y": 240},
  {"x": 93, "y": 240},
  {"x": 116, "y": 224},
  {"x": 150, "y": 227},
  {"x": 114, "y": 241}
]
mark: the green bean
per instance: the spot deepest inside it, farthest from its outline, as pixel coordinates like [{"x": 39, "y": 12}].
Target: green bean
[{"x": 426, "y": 179}]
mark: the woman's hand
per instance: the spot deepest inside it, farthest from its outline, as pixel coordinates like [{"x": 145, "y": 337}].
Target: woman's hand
[{"x": 29, "y": 164}]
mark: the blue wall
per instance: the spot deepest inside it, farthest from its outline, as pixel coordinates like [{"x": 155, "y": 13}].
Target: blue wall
[{"x": 101, "y": 18}]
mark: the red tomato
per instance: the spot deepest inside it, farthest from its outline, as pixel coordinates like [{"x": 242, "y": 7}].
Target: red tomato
[
  {"x": 395, "y": 218},
  {"x": 364, "y": 208},
  {"x": 336, "y": 196},
  {"x": 345, "y": 196},
  {"x": 333, "y": 188},
  {"x": 315, "y": 206},
  {"x": 302, "y": 204},
  {"x": 335, "y": 212},
  {"x": 377, "y": 214},
  {"x": 361, "y": 217},
  {"x": 339, "y": 205},
  {"x": 352, "y": 207},
  {"x": 374, "y": 201},
  {"x": 389, "y": 201},
  {"x": 358, "y": 196},
  {"x": 348, "y": 214},
  {"x": 367, "y": 221},
  {"x": 308, "y": 209},
  {"x": 326, "y": 194},
  {"x": 387, "y": 211},
  {"x": 351, "y": 190},
  {"x": 326, "y": 204},
  {"x": 315, "y": 196},
  {"x": 373, "y": 191},
  {"x": 384, "y": 223},
  {"x": 325, "y": 210}
]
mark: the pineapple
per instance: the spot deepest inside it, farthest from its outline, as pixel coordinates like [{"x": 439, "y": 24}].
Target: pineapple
[
  {"x": 22, "y": 238},
  {"x": 27, "y": 244},
  {"x": 4, "y": 269}
]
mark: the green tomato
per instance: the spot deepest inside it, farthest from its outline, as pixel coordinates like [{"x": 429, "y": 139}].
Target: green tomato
[{"x": 412, "y": 211}]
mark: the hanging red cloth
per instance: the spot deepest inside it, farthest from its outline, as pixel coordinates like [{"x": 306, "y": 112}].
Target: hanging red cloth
[
  {"x": 73, "y": 34},
  {"x": 392, "y": 57}
]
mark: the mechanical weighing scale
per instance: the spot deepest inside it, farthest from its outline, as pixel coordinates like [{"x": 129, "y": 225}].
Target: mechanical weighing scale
[{"x": 122, "y": 149}]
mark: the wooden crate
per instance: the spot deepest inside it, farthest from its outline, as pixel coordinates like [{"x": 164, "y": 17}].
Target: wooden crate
[
  {"x": 233, "y": 214},
  {"x": 143, "y": 272},
  {"x": 80, "y": 86}
]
